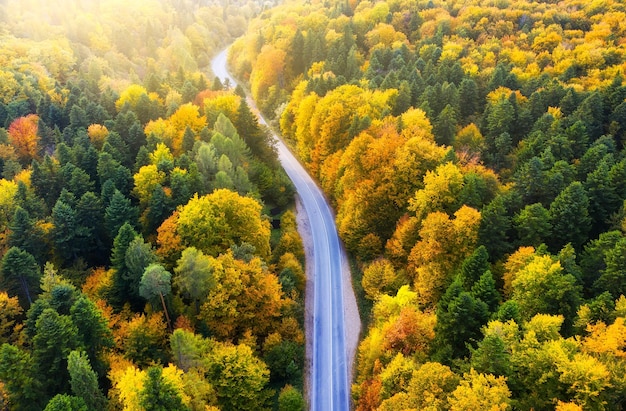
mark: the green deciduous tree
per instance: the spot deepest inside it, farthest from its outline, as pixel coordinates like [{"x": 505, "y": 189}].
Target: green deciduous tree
[
  {"x": 156, "y": 281},
  {"x": 194, "y": 275}
]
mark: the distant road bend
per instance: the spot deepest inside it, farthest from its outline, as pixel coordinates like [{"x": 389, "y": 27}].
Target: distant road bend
[{"x": 329, "y": 386}]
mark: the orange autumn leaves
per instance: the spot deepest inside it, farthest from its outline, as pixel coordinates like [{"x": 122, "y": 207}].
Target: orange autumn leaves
[{"x": 24, "y": 138}]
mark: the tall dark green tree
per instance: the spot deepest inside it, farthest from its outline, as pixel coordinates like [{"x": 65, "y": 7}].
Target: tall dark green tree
[
  {"x": 119, "y": 292},
  {"x": 569, "y": 216},
  {"x": 93, "y": 331},
  {"x": 55, "y": 338},
  {"x": 460, "y": 317},
  {"x": 248, "y": 128},
  {"x": 612, "y": 278},
  {"x": 533, "y": 225},
  {"x": 445, "y": 126},
  {"x": 26, "y": 235},
  {"x": 90, "y": 216},
  {"x": 474, "y": 266},
  {"x": 495, "y": 224},
  {"x": 485, "y": 290},
  {"x": 20, "y": 275},
  {"x": 120, "y": 211},
  {"x": 84, "y": 381},
  {"x": 18, "y": 374},
  {"x": 68, "y": 236}
]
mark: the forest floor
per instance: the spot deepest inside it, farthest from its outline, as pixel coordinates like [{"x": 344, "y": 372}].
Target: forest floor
[{"x": 351, "y": 312}]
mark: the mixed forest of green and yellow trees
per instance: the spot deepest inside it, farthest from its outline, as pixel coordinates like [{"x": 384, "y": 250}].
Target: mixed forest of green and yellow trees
[
  {"x": 149, "y": 257},
  {"x": 474, "y": 153}
]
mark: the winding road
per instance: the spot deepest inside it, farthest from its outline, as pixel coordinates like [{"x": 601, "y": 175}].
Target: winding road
[{"x": 329, "y": 386}]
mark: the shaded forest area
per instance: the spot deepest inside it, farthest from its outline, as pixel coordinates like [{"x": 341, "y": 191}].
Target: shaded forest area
[
  {"x": 474, "y": 152},
  {"x": 149, "y": 252}
]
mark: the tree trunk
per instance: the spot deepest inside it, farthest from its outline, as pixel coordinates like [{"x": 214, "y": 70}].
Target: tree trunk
[{"x": 167, "y": 316}]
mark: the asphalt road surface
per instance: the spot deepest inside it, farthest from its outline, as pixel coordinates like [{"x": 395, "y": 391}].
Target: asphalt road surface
[{"x": 329, "y": 387}]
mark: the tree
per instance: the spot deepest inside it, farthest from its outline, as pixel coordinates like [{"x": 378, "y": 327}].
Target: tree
[
  {"x": 25, "y": 233},
  {"x": 10, "y": 312},
  {"x": 158, "y": 394},
  {"x": 245, "y": 299},
  {"x": 440, "y": 192},
  {"x": 474, "y": 266},
  {"x": 93, "y": 330},
  {"x": 84, "y": 381},
  {"x": 20, "y": 274},
  {"x": 542, "y": 287},
  {"x": 69, "y": 237},
  {"x": 290, "y": 399},
  {"x": 460, "y": 316},
  {"x": 156, "y": 280},
  {"x": 213, "y": 223},
  {"x": 239, "y": 378},
  {"x": 24, "y": 137},
  {"x": 569, "y": 216},
  {"x": 119, "y": 212},
  {"x": 249, "y": 129},
  {"x": 612, "y": 278},
  {"x": 445, "y": 126},
  {"x": 56, "y": 336},
  {"x": 444, "y": 244},
  {"x": 64, "y": 402},
  {"x": 20, "y": 380},
  {"x": 533, "y": 225},
  {"x": 139, "y": 255},
  {"x": 429, "y": 388},
  {"x": 379, "y": 277},
  {"x": 194, "y": 275},
  {"x": 124, "y": 238},
  {"x": 480, "y": 392}
]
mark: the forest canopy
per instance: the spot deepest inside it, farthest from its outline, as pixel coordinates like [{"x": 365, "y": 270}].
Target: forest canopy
[
  {"x": 474, "y": 152},
  {"x": 149, "y": 255}
]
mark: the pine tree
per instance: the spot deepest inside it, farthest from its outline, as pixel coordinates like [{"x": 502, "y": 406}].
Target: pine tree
[
  {"x": 93, "y": 330},
  {"x": 20, "y": 275},
  {"x": 84, "y": 381},
  {"x": 20, "y": 380},
  {"x": 25, "y": 234},
  {"x": 485, "y": 290},
  {"x": 569, "y": 215},
  {"x": 56, "y": 336},
  {"x": 119, "y": 212},
  {"x": 119, "y": 292},
  {"x": 474, "y": 267}
]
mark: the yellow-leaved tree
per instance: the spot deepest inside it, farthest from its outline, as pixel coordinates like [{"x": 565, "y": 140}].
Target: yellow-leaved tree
[{"x": 215, "y": 222}]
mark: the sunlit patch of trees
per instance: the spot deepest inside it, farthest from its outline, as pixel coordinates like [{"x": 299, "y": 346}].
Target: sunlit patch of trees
[{"x": 474, "y": 152}]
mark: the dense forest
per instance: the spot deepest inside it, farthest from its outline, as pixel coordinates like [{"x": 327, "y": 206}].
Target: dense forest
[
  {"x": 149, "y": 257},
  {"x": 474, "y": 151}
]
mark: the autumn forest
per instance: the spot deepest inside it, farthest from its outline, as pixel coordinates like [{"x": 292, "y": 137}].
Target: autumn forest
[{"x": 474, "y": 153}]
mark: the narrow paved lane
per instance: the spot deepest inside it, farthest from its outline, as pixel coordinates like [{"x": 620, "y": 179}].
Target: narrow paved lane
[{"x": 329, "y": 385}]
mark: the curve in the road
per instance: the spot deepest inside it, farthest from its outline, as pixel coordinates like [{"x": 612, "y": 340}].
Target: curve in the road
[{"x": 329, "y": 386}]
